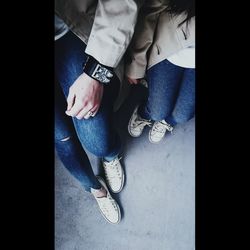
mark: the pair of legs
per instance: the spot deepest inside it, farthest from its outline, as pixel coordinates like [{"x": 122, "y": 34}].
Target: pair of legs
[
  {"x": 171, "y": 94},
  {"x": 96, "y": 134},
  {"x": 171, "y": 101}
]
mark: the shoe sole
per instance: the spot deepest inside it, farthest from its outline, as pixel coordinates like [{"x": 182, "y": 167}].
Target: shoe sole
[{"x": 101, "y": 180}]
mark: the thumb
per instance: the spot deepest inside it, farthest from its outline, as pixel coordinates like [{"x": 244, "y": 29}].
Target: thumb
[{"x": 70, "y": 100}]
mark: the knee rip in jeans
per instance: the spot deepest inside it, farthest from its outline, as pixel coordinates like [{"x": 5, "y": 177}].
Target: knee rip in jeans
[{"x": 65, "y": 139}]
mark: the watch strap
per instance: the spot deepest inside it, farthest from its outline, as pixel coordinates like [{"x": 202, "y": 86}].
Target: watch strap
[{"x": 97, "y": 71}]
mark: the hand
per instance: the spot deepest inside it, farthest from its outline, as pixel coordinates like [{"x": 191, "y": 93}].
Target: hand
[
  {"x": 133, "y": 81},
  {"x": 84, "y": 95}
]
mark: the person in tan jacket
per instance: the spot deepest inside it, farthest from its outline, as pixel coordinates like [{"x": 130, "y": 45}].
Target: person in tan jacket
[
  {"x": 163, "y": 52},
  {"x": 91, "y": 38}
]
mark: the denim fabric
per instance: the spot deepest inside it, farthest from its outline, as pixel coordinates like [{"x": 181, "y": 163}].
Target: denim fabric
[
  {"x": 171, "y": 94},
  {"x": 96, "y": 134},
  {"x": 70, "y": 151}
]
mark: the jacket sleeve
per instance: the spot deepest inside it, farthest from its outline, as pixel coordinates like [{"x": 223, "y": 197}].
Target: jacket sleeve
[
  {"x": 143, "y": 39},
  {"x": 112, "y": 30}
]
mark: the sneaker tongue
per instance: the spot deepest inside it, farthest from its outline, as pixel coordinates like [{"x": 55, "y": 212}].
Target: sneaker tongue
[{"x": 160, "y": 129}]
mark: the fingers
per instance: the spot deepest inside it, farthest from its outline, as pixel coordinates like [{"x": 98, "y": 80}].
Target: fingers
[
  {"x": 88, "y": 115},
  {"x": 95, "y": 112},
  {"x": 84, "y": 112},
  {"x": 74, "y": 110},
  {"x": 70, "y": 100},
  {"x": 132, "y": 81},
  {"x": 81, "y": 112},
  {"x": 92, "y": 112},
  {"x": 85, "y": 95}
]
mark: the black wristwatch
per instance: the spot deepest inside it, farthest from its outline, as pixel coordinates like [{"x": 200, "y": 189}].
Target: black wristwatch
[{"x": 97, "y": 71}]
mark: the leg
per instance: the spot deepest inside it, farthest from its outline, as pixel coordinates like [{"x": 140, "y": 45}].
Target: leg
[
  {"x": 97, "y": 134},
  {"x": 68, "y": 146},
  {"x": 184, "y": 108},
  {"x": 163, "y": 81},
  {"x": 76, "y": 161}
]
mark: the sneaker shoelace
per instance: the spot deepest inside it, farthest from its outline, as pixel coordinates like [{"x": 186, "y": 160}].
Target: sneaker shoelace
[
  {"x": 140, "y": 122},
  {"x": 161, "y": 127},
  {"x": 112, "y": 168},
  {"x": 106, "y": 204}
]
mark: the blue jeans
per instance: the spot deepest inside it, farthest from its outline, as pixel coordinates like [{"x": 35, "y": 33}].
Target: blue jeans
[
  {"x": 96, "y": 134},
  {"x": 171, "y": 94}
]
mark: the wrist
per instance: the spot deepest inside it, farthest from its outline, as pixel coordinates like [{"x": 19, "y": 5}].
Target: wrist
[{"x": 98, "y": 71}]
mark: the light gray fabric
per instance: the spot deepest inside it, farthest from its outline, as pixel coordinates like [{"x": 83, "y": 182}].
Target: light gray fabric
[{"x": 61, "y": 28}]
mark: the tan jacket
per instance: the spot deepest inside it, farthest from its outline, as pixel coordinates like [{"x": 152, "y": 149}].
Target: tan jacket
[
  {"x": 106, "y": 26},
  {"x": 156, "y": 37}
]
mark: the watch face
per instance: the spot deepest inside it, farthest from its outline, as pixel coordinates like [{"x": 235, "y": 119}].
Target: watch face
[{"x": 102, "y": 74}]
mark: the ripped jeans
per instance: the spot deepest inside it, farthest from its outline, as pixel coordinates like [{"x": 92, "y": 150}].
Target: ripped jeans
[{"x": 96, "y": 134}]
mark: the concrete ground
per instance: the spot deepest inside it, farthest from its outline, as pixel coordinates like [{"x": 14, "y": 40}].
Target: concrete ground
[{"x": 157, "y": 202}]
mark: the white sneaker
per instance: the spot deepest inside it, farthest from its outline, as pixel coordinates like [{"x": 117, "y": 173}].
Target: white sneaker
[
  {"x": 136, "y": 124},
  {"x": 107, "y": 205},
  {"x": 158, "y": 131},
  {"x": 114, "y": 174}
]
